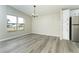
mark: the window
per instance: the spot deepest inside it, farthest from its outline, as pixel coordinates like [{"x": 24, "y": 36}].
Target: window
[
  {"x": 15, "y": 23},
  {"x": 20, "y": 23},
  {"x": 11, "y": 24}
]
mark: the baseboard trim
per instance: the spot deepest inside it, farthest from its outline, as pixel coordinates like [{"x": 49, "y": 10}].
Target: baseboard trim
[
  {"x": 47, "y": 35},
  {"x": 13, "y": 37}
]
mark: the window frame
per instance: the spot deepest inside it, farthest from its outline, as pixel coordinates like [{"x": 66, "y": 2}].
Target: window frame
[
  {"x": 8, "y": 23},
  {"x": 23, "y": 23},
  {"x": 16, "y": 23}
]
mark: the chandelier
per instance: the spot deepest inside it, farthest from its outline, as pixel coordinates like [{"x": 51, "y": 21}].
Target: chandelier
[{"x": 34, "y": 14}]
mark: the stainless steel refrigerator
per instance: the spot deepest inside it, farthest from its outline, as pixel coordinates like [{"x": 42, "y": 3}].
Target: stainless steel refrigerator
[{"x": 75, "y": 28}]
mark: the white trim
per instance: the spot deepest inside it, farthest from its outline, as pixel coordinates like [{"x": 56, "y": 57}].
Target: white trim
[
  {"x": 46, "y": 34},
  {"x": 13, "y": 37}
]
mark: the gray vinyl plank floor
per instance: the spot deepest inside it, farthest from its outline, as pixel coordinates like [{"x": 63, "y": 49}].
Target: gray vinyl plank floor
[{"x": 35, "y": 43}]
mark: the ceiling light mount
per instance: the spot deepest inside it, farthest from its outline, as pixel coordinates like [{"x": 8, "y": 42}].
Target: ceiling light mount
[{"x": 34, "y": 6}]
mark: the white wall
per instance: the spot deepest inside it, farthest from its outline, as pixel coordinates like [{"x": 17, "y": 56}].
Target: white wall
[
  {"x": 4, "y": 10},
  {"x": 47, "y": 24},
  {"x": 61, "y": 24}
]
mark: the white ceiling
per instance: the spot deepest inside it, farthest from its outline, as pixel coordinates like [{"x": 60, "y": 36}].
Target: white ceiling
[{"x": 43, "y": 9}]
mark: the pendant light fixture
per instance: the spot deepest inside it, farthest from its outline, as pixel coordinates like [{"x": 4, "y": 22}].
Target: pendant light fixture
[{"x": 34, "y": 14}]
